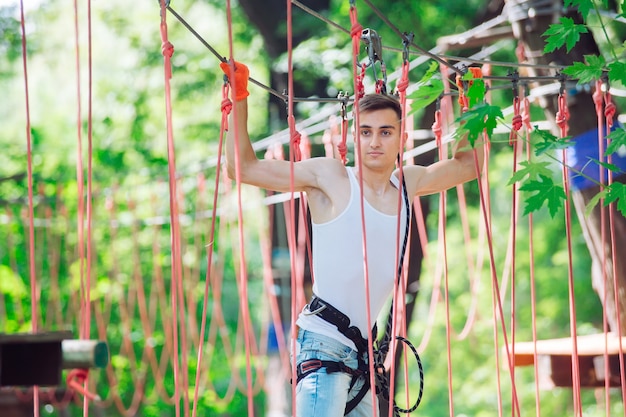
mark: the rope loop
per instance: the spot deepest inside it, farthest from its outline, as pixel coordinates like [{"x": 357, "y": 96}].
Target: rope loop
[
  {"x": 609, "y": 110},
  {"x": 357, "y": 28},
  {"x": 526, "y": 114},
  {"x": 437, "y": 128},
  {"x": 343, "y": 147},
  {"x": 597, "y": 97},
  {"x": 562, "y": 115},
  {"x": 76, "y": 379},
  {"x": 403, "y": 84},
  {"x": 295, "y": 139},
  {"x": 517, "y": 121}
]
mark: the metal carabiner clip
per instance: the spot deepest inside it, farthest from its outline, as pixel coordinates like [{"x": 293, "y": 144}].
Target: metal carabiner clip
[{"x": 373, "y": 44}]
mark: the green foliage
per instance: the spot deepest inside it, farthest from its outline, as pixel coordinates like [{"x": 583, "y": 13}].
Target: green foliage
[
  {"x": 545, "y": 191},
  {"x": 478, "y": 119},
  {"x": 565, "y": 33},
  {"x": 428, "y": 89}
]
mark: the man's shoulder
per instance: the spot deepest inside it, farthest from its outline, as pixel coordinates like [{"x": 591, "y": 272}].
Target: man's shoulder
[{"x": 326, "y": 165}]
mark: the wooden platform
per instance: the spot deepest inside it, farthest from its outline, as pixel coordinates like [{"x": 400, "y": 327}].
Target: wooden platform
[{"x": 554, "y": 359}]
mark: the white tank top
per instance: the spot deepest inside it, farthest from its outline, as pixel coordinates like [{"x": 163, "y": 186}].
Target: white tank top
[{"x": 338, "y": 263}]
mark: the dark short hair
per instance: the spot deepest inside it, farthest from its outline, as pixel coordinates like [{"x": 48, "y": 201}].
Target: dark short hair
[{"x": 377, "y": 101}]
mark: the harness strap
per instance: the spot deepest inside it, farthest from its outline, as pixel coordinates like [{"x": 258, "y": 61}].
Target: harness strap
[
  {"x": 334, "y": 316},
  {"x": 310, "y": 366}
]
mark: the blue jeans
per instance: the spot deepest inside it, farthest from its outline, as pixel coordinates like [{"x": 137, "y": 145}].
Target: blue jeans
[{"x": 320, "y": 394}]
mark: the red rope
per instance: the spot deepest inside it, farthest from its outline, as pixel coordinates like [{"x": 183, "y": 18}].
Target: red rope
[
  {"x": 343, "y": 147},
  {"x": 609, "y": 112},
  {"x": 517, "y": 121},
  {"x": 177, "y": 294},
  {"x": 226, "y": 108},
  {"x": 242, "y": 273},
  {"x": 359, "y": 92},
  {"x": 31, "y": 214},
  {"x": 598, "y": 100},
  {"x": 562, "y": 117}
]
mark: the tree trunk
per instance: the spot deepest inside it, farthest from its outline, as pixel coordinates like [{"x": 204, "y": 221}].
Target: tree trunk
[{"x": 582, "y": 119}]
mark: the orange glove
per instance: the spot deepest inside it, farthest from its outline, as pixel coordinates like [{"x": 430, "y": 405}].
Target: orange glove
[{"x": 240, "y": 83}]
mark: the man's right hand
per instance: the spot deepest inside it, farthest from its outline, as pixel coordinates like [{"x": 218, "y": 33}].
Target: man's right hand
[{"x": 240, "y": 82}]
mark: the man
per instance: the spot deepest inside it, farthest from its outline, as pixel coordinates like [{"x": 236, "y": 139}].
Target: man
[{"x": 331, "y": 355}]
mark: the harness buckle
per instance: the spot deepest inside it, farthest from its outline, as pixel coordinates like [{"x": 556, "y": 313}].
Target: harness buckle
[
  {"x": 310, "y": 366},
  {"x": 307, "y": 310}
]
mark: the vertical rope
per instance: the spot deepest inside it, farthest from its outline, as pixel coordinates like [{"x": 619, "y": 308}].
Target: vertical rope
[
  {"x": 177, "y": 300},
  {"x": 562, "y": 118},
  {"x": 359, "y": 91},
  {"x": 243, "y": 271},
  {"x": 609, "y": 113},
  {"x": 598, "y": 101},
  {"x": 531, "y": 250},
  {"x": 226, "y": 107},
  {"x": 294, "y": 155},
  {"x": 31, "y": 224}
]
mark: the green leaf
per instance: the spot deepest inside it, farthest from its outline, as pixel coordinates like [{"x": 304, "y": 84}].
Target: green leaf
[
  {"x": 616, "y": 193},
  {"x": 583, "y": 6},
  {"x": 566, "y": 33},
  {"x": 618, "y": 139},
  {"x": 532, "y": 170},
  {"x": 617, "y": 72},
  {"x": 482, "y": 117},
  {"x": 545, "y": 191},
  {"x": 551, "y": 142},
  {"x": 428, "y": 89},
  {"x": 591, "y": 70},
  {"x": 476, "y": 92}
]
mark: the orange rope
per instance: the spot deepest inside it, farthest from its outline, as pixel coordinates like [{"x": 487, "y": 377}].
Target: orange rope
[
  {"x": 609, "y": 112},
  {"x": 562, "y": 117},
  {"x": 31, "y": 215}
]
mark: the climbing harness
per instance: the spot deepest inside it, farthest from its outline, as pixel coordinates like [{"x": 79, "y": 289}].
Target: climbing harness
[{"x": 332, "y": 315}]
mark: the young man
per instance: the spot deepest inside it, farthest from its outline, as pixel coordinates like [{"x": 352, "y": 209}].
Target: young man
[{"x": 331, "y": 357}]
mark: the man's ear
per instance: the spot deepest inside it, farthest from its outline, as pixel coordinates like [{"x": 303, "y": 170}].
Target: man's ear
[{"x": 404, "y": 139}]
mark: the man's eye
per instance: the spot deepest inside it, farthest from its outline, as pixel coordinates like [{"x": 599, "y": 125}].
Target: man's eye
[{"x": 365, "y": 132}]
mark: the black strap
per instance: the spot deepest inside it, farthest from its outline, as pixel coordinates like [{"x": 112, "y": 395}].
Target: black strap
[{"x": 334, "y": 316}]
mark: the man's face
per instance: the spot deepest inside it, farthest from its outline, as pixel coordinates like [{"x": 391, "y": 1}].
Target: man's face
[{"x": 379, "y": 134}]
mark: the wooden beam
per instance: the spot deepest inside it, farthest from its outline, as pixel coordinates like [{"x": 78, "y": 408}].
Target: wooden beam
[{"x": 554, "y": 359}]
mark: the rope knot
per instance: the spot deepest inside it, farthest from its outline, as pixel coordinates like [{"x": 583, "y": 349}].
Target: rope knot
[
  {"x": 609, "y": 111},
  {"x": 76, "y": 378},
  {"x": 518, "y": 122},
  {"x": 227, "y": 105},
  {"x": 295, "y": 140},
  {"x": 356, "y": 30},
  {"x": 343, "y": 151},
  {"x": 403, "y": 84},
  {"x": 167, "y": 49}
]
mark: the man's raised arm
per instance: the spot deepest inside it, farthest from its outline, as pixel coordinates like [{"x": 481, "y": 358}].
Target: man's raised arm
[{"x": 240, "y": 146}]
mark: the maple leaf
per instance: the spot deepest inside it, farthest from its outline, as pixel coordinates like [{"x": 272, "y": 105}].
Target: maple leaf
[
  {"x": 566, "y": 33},
  {"x": 428, "y": 89},
  {"x": 617, "y": 72},
  {"x": 591, "y": 70},
  {"x": 476, "y": 92},
  {"x": 616, "y": 192},
  {"x": 545, "y": 191},
  {"x": 618, "y": 139},
  {"x": 482, "y": 117},
  {"x": 530, "y": 169},
  {"x": 551, "y": 142},
  {"x": 583, "y": 6}
]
